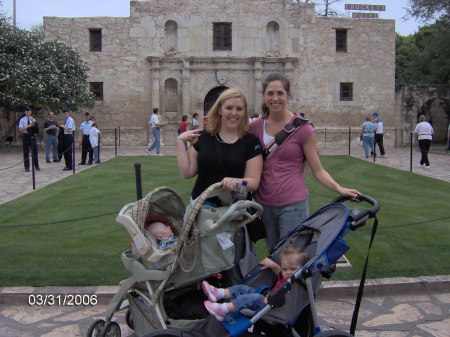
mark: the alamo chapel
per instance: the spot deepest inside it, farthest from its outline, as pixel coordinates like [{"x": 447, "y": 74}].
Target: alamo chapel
[{"x": 179, "y": 55}]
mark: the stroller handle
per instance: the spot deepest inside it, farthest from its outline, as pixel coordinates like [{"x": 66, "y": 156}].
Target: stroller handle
[{"x": 361, "y": 217}]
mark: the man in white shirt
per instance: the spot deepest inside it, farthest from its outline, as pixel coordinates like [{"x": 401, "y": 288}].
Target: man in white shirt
[
  {"x": 86, "y": 148},
  {"x": 69, "y": 127},
  {"x": 156, "y": 132},
  {"x": 27, "y": 125},
  {"x": 424, "y": 132},
  {"x": 379, "y": 131}
]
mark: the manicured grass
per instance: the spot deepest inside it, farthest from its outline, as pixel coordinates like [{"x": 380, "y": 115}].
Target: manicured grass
[{"x": 87, "y": 251}]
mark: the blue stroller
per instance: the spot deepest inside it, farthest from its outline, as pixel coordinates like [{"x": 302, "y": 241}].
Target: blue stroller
[{"x": 291, "y": 309}]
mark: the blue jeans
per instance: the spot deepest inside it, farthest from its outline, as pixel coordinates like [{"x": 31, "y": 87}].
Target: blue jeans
[
  {"x": 368, "y": 141},
  {"x": 95, "y": 154},
  {"x": 244, "y": 297},
  {"x": 156, "y": 140},
  {"x": 51, "y": 140},
  {"x": 278, "y": 221}
]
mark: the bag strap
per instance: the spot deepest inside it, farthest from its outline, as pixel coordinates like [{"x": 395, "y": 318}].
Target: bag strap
[
  {"x": 363, "y": 281},
  {"x": 283, "y": 134}
]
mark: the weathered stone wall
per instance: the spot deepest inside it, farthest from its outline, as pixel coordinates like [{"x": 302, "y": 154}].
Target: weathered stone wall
[{"x": 136, "y": 65}]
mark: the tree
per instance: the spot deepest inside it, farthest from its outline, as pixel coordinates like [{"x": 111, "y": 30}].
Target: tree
[
  {"x": 424, "y": 57},
  {"x": 39, "y": 73},
  {"x": 323, "y": 7},
  {"x": 427, "y": 10}
]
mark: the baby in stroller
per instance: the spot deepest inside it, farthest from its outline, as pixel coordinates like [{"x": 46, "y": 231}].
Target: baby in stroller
[
  {"x": 290, "y": 259},
  {"x": 160, "y": 229}
]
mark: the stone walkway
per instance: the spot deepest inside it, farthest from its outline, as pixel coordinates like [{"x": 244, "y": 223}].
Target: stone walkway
[
  {"x": 14, "y": 181},
  {"x": 398, "y": 307},
  {"x": 418, "y": 307}
]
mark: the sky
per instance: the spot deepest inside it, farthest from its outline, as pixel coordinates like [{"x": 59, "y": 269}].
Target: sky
[{"x": 31, "y": 12}]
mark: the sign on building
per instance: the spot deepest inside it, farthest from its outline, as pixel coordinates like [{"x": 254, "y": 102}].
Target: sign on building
[
  {"x": 362, "y": 15},
  {"x": 363, "y": 7}
]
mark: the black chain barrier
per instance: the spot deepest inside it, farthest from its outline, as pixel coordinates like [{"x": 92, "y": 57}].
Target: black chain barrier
[
  {"x": 59, "y": 221},
  {"x": 408, "y": 224},
  {"x": 111, "y": 213}
]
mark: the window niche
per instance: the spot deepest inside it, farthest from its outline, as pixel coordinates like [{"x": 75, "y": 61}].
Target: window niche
[
  {"x": 170, "y": 37},
  {"x": 171, "y": 95},
  {"x": 273, "y": 38}
]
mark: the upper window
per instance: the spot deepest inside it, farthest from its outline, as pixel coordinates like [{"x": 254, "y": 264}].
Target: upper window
[
  {"x": 222, "y": 36},
  {"x": 341, "y": 40},
  {"x": 346, "y": 91},
  {"x": 95, "y": 40},
  {"x": 97, "y": 89}
]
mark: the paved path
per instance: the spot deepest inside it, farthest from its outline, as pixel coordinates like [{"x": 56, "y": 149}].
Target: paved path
[
  {"x": 14, "y": 182},
  {"x": 390, "y": 308}
]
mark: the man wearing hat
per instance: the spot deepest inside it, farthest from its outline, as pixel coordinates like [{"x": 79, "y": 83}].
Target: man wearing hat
[
  {"x": 379, "y": 130},
  {"x": 86, "y": 148},
  {"x": 27, "y": 125},
  {"x": 69, "y": 127}
]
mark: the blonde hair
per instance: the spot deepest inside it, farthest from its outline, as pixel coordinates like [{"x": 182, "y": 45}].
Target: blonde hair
[
  {"x": 214, "y": 119},
  {"x": 295, "y": 254}
]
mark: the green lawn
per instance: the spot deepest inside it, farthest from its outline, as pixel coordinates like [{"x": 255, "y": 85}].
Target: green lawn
[{"x": 87, "y": 251}]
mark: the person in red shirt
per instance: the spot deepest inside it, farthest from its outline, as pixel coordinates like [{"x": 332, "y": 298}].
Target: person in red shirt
[{"x": 183, "y": 127}]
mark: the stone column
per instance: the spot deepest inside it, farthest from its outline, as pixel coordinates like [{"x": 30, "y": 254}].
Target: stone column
[
  {"x": 186, "y": 89},
  {"x": 258, "y": 87}
]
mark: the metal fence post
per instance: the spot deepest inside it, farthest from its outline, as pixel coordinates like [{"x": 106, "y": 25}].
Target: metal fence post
[
  {"x": 411, "y": 151},
  {"x": 73, "y": 152},
  {"x": 115, "y": 142},
  {"x": 137, "y": 169}
]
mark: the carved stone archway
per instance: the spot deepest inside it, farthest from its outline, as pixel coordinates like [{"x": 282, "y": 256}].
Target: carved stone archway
[{"x": 432, "y": 101}]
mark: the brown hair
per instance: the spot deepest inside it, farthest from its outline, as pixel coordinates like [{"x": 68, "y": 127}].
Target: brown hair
[
  {"x": 296, "y": 254},
  {"x": 214, "y": 120},
  {"x": 272, "y": 78},
  {"x": 151, "y": 219}
]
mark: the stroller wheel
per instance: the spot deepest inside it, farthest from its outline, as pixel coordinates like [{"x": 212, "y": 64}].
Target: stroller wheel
[
  {"x": 334, "y": 333},
  {"x": 112, "y": 329},
  {"x": 95, "y": 328},
  {"x": 129, "y": 320}
]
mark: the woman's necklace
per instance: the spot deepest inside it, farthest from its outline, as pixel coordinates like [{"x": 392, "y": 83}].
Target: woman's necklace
[{"x": 225, "y": 141}]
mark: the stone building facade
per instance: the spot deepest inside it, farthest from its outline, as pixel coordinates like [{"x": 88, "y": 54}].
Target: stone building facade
[{"x": 178, "y": 55}]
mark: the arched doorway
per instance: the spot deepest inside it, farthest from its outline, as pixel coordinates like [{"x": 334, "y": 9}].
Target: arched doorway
[
  {"x": 437, "y": 111},
  {"x": 211, "y": 98}
]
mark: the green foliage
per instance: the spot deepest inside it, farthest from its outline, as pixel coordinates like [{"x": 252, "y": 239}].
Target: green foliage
[
  {"x": 429, "y": 9},
  {"x": 424, "y": 57},
  {"x": 39, "y": 73}
]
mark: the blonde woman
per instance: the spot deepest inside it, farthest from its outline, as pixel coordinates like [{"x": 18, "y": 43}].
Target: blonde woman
[{"x": 223, "y": 152}]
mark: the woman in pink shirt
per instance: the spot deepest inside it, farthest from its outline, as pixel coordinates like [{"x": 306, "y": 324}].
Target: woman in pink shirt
[{"x": 282, "y": 190}]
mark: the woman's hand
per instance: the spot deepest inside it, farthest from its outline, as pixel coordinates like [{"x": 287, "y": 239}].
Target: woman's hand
[
  {"x": 231, "y": 184},
  {"x": 349, "y": 192},
  {"x": 190, "y": 136}
]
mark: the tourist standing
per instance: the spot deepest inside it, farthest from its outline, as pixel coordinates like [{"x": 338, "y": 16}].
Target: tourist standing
[
  {"x": 183, "y": 127},
  {"x": 156, "y": 132},
  {"x": 224, "y": 151},
  {"x": 94, "y": 139},
  {"x": 282, "y": 191},
  {"x": 27, "y": 125},
  {"x": 194, "y": 122},
  {"x": 85, "y": 128},
  {"x": 368, "y": 137},
  {"x": 424, "y": 132},
  {"x": 51, "y": 129},
  {"x": 69, "y": 127},
  {"x": 379, "y": 134}
]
